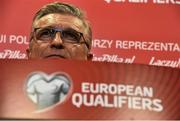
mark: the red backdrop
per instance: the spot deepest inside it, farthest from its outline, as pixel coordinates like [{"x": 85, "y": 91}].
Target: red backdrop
[{"x": 138, "y": 31}]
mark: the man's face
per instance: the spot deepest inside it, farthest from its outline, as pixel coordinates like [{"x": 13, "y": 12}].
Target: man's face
[{"x": 59, "y": 36}]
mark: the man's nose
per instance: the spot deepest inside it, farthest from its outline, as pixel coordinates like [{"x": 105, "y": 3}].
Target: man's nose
[{"x": 57, "y": 42}]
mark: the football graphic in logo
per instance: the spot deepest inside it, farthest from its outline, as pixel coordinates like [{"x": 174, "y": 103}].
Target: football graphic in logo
[{"x": 47, "y": 90}]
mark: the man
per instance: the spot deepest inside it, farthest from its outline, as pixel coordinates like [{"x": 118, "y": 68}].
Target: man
[{"x": 60, "y": 30}]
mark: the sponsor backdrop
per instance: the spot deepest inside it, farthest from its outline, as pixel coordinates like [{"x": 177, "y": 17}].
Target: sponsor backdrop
[
  {"x": 92, "y": 91},
  {"x": 124, "y": 31}
]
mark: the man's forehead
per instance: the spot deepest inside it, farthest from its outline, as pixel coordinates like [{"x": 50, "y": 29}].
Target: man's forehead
[{"x": 59, "y": 20}]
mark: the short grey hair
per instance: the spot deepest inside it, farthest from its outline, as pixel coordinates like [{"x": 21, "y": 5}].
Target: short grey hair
[{"x": 67, "y": 9}]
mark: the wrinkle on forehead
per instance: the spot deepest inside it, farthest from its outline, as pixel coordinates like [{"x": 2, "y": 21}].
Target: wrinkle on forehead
[{"x": 59, "y": 20}]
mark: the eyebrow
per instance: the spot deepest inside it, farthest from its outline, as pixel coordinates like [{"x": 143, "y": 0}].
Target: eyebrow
[{"x": 63, "y": 28}]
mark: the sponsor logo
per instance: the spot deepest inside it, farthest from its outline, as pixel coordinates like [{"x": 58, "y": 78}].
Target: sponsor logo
[{"x": 12, "y": 54}]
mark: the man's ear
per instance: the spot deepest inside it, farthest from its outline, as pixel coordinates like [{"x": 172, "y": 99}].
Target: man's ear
[
  {"x": 28, "y": 53},
  {"x": 90, "y": 57}
]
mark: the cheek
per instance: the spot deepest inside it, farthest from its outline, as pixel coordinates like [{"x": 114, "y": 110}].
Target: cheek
[
  {"x": 38, "y": 49},
  {"x": 78, "y": 51}
]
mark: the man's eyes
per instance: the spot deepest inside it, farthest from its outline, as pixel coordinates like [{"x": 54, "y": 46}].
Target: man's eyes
[
  {"x": 70, "y": 35},
  {"x": 45, "y": 33}
]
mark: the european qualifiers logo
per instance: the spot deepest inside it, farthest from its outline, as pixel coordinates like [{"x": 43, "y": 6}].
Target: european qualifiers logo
[
  {"x": 47, "y": 90},
  {"x": 117, "y": 96}
]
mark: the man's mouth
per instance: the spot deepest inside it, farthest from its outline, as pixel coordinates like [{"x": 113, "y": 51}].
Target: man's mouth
[{"x": 54, "y": 56}]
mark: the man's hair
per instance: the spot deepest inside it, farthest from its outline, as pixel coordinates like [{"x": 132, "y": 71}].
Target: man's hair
[{"x": 66, "y": 9}]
